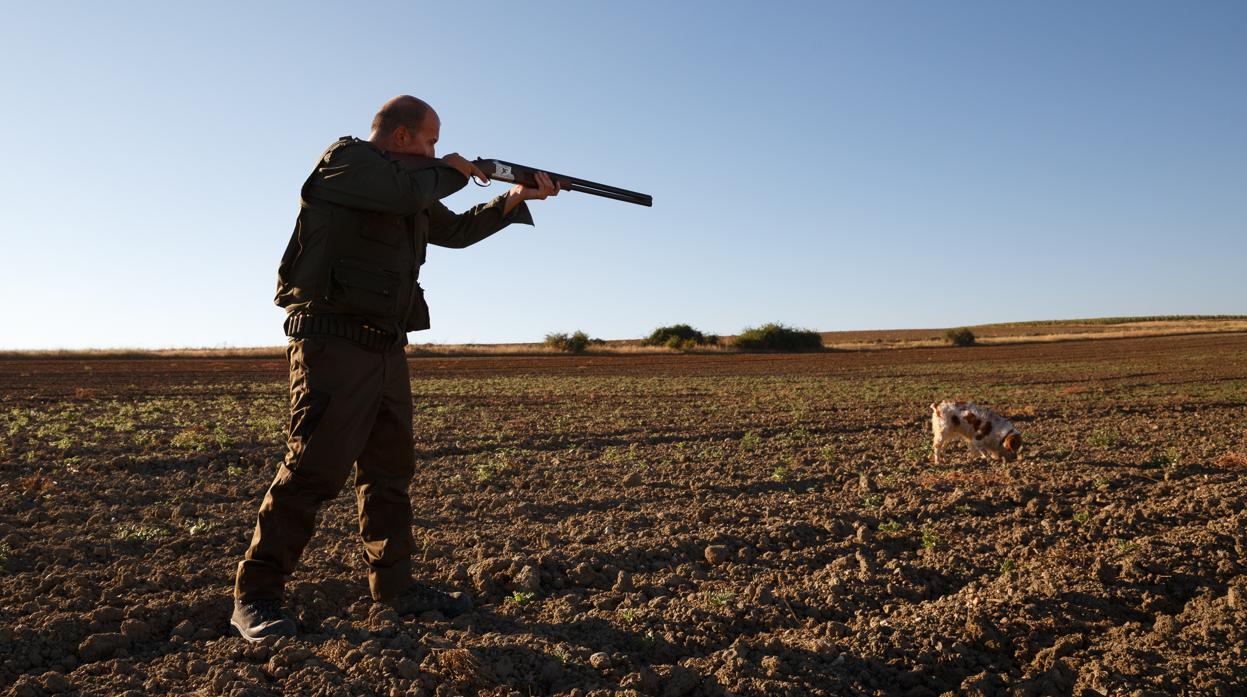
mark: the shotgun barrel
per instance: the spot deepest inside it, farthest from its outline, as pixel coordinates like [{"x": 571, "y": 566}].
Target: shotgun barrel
[{"x": 523, "y": 174}]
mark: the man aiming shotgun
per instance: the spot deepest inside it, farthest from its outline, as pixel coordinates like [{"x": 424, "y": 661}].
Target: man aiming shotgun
[{"x": 348, "y": 282}]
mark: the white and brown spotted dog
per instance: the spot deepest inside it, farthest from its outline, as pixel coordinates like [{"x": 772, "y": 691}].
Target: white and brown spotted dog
[{"x": 988, "y": 433}]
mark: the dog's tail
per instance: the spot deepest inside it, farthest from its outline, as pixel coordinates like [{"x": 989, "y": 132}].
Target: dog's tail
[{"x": 935, "y": 407}]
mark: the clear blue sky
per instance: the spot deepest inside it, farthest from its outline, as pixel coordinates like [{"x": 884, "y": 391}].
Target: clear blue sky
[{"x": 827, "y": 165}]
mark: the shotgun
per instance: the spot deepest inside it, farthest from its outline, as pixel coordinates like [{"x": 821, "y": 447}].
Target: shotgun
[{"x": 522, "y": 174}]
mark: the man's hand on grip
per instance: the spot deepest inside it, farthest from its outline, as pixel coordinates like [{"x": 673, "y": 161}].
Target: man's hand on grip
[{"x": 466, "y": 168}]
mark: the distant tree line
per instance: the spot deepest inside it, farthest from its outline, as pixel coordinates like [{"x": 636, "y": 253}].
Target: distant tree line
[
  {"x": 768, "y": 337},
  {"x": 683, "y": 337}
]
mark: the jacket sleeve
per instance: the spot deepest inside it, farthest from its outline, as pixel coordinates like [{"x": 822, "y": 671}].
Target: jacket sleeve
[
  {"x": 447, "y": 229},
  {"x": 357, "y": 175}
]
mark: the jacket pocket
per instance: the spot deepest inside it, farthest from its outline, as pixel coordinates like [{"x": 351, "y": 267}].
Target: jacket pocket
[
  {"x": 381, "y": 227},
  {"x": 417, "y": 319},
  {"x": 364, "y": 288}
]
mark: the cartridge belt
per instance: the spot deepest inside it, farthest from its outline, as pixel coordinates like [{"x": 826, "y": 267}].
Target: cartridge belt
[{"x": 302, "y": 325}]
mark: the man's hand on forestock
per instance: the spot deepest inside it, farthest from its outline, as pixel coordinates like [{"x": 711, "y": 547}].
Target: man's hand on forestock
[{"x": 545, "y": 188}]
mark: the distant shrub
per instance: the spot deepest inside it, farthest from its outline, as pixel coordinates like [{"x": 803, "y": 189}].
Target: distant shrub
[
  {"x": 680, "y": 337},
  {"x": 959, "y": 337},
  {"x": 777, "y": 337},
  {"x": 575, "y": 343}
]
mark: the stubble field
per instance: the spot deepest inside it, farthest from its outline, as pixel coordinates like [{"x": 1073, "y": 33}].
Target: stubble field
[{"x": 653, "y": 524}]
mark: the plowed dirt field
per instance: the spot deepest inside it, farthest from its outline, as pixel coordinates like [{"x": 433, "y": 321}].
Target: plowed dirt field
[{"x": 653, "y": 524}]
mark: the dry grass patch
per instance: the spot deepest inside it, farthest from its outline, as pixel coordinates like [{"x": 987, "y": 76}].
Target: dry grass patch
[
  {"x": 459, "y": 667},
  {"x": 1230, "y": 459}
]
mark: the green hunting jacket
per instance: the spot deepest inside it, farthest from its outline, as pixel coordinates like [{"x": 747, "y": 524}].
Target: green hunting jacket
[{"x": 365, "y": 221}]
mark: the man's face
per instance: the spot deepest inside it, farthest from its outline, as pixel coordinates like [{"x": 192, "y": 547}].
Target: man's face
[{"x": 419, "y": 142}]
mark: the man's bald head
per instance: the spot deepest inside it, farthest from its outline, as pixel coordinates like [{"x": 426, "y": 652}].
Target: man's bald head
[
  {"x": 406, "y": 125},
  {"x": 403, "y": 110}
]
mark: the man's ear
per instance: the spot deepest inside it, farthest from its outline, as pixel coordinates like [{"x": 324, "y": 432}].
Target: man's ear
[{"x": 399, "y": 136}]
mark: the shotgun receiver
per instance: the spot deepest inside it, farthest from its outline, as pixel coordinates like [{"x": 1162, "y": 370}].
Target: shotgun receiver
[{"x": 505, "y": 171}]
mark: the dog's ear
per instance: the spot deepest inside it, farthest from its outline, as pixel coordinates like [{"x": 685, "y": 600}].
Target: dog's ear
[{"x": 1013, "y": 442}]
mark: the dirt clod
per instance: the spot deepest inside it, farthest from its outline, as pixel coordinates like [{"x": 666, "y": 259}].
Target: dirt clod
[
  {"x": 717, "y": 554},
  {"x": 600, "y": 660},
  {"x": 1104, "y": 571},
  {"x": 623, "y": 583},
  {"x": 676, "y": 681},
  {"x": 135, "y": 630},
  {"x": 866, "y": 483},
  {"x": 100, "y": 646},
  {"x": 55, "y": 683},
  {"x": 196, "y": 666},
  {"x": 1236, "y": 596},
  {"x": 528, "y": 579}
]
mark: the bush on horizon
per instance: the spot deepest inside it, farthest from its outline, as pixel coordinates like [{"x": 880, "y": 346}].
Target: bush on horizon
[
  {"x": 574, "y": 343},
  {"x": 960, "y": 337},
  {"x": 681, "y": 337},
  {"x": 777, "y": 337}
]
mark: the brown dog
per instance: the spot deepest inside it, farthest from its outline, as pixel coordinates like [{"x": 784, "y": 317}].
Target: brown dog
[{"x": 988, "y": 433}]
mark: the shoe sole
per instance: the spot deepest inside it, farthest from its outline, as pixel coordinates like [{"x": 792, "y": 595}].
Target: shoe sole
[
  {"x": 254, "y": 640},
  {"x": 241, "y": 633}
]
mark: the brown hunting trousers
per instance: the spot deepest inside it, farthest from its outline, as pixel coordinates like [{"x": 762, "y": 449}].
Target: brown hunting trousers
[{"x": 347, "y": 405}]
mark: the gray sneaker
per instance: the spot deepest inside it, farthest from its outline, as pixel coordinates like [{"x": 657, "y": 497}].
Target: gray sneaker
[
  {"x": 260, "y": 619},
  {"x": 420, "y": 598}
]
